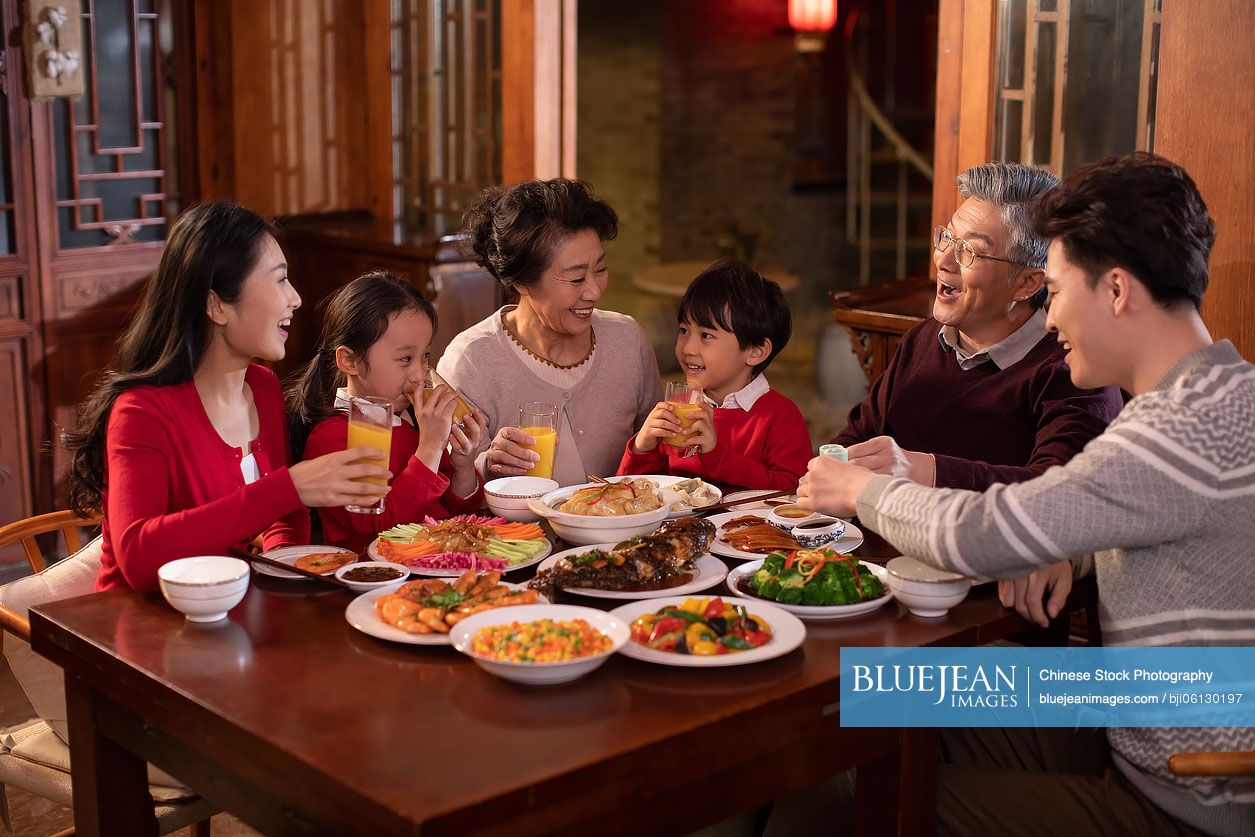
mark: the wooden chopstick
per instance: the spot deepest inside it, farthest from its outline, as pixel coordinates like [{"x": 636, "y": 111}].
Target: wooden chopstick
[
  {"x": 279, "y": 565},
  {"x": 718, "y": 507}
]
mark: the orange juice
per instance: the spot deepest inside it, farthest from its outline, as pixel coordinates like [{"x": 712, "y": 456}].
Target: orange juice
[
  {"x": 686, "y": 413},
  {"x": 365, "y": 435},
  {"x": 460, "y": 409},
  {"x": 546, "y": 438}
]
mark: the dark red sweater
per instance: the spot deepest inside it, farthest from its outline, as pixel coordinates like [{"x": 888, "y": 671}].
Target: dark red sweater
[
  {"x": 766, "y": 447},
  {"x": 174, "y": 488},
  {"x": 984, "y": 425},
  {"x": 416, "y": 491}
]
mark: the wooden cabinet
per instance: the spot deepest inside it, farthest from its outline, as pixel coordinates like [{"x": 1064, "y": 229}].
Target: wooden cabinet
[{"x": 878, "y": 316}]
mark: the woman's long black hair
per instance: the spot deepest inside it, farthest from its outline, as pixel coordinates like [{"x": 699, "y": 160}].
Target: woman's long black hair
[
  {"x": 355, "y": 317},
  {"x": 210, "y": 247}
]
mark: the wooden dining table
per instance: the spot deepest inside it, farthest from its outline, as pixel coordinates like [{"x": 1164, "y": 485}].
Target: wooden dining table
[{"x": 297, "y": 723}]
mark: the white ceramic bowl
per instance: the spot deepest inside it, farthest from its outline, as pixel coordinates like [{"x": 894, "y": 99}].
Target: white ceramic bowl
[
  {"x": 787, "y": 523},
  {"x": 363, "y": 586},
  {"x": 511, "y": 497},
  {"x": 585, "y": 530},
  {"x": 925, "y": 590},
  {"x": 204, "y": 588},
  {"x": 540, "y": 674},
  {"x": 820, "y": 532}
]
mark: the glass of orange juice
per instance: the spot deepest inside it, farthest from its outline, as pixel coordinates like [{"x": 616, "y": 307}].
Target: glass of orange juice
[
  {"x": 460, "y": 410},
  {"x": 370, "y": 425},
  {"x": 688, "y": 406},
  {"x": 540, "y": 421}
]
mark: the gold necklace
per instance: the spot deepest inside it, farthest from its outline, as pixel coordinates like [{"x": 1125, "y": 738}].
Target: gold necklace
[{"x": 592, "y": 345}]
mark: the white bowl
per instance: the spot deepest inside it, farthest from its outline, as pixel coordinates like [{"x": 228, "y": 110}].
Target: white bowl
[
  {"x": 585, "y": 530},
  {"x": 363, "y": 586},
  {"x": 540, "y": 674},
  {"x": 511, "y": 497},
  {"x": 205, "y": 587},
  {"x": 925, "y": 590},
  {"x": 787, "y": 523}
]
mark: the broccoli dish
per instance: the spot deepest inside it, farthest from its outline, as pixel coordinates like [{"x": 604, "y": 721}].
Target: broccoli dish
[{"x": 817, "y": 577}]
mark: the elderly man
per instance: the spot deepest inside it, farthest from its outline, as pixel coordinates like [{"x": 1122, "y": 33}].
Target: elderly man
[
  {"x": 1165, "y": 499},
  {"x": 980, "y": 394}
]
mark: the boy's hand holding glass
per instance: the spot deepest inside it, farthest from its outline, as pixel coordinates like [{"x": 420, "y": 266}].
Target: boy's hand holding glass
[
  {"x": 332, "y": 479},
  {"x": 661, "y": 424},
  {"x": 701, "y": 433}
]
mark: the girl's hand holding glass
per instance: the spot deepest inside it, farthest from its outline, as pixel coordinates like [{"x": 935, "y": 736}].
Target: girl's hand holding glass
[
  {"x": 433, "y": 410},
  {"x": 465, "y": 440},
  {"x": 332, "y": 479}
]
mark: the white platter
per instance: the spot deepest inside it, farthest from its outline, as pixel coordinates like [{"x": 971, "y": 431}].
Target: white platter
[
  {"x": 788, "y": 632},
  {"x": 373, "y": 552},
  {"x": 361, "y": 615},
  {"x": 744, "y": 571},
  {"x": 666, "y": 481},
  {"x": 710, "y": 571},
  {"x": 290, "y": 555},
  {"x": 848, "y": 542}
]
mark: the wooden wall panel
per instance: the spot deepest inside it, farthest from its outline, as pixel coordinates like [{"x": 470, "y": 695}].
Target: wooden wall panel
[
  {"x": 1205, "y": 121},
  {"x": 966, "y": 50},
  {"x": 16, "y": 488},
  {"x": 538, "y": 54},
  {"x": 293, "y": 109}
]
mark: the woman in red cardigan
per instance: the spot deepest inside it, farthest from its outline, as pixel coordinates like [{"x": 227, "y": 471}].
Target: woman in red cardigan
[{"x": 183, "y": 443}]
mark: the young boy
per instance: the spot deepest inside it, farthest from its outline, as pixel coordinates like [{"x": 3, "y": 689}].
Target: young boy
[{"x": 732, "y": 324}]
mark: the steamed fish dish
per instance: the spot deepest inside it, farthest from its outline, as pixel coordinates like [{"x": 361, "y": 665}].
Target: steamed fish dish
[
  {"x": 618, "y": 498},
  {"x": 641, "y": 563}
]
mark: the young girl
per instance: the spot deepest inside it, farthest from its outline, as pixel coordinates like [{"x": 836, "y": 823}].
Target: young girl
[
  {"x": 732, "y": 324},
  {"x": 375, "y": 339},
  {"x": 182, "y": 445}
]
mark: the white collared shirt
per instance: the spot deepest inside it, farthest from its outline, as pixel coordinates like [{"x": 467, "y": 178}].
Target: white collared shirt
[
  {"x": 746, "y": 397},
  {"x": 1006, "y": 352}
]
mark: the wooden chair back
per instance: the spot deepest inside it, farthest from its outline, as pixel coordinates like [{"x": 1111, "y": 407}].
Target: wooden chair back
[{"x": 68, "y": 524}]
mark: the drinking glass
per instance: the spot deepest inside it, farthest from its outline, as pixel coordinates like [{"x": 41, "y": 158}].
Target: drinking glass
[
  {"x": 461, "y": 410},
  {"x": 540, "y": 421},
  {"x": 688, "y": 406},
  {"x": 370, "y": 425}
]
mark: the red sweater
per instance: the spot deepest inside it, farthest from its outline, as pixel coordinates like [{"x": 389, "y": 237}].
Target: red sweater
[
  {"x": 416, "y": 491},
  {"x": 174, "y": 489},
  {"x": 767, "y": 446},
  {"x": 984, "y": 425}
]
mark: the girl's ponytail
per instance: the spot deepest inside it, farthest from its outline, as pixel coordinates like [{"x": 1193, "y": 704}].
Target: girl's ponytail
[{"x": 311, "y": 396}]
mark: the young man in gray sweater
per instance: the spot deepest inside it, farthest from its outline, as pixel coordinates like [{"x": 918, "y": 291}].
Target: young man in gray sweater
[{"x": 1162, "y": 505}]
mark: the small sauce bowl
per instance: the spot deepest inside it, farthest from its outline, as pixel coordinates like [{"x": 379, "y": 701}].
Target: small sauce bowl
[{"x": 358, "y": 575}]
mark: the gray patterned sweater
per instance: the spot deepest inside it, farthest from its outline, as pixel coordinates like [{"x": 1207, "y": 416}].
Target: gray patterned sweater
[{"x": 1165, "y": 501}]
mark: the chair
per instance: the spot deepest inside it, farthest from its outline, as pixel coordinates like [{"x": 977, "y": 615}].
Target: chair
[{"x": 35, "y": 756}]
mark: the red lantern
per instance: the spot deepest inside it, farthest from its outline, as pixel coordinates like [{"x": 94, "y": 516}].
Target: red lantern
[{"x": 812, "y": 15}]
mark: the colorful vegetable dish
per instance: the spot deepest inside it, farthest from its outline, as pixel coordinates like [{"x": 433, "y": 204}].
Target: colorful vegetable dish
[
  {"x": 701, "y": 627},
  {"x": 818, "y": 577},
  {"x": 542, "y": 641}
]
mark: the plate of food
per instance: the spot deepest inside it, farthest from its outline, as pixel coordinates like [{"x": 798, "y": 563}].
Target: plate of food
[
  {"x": 818, "y": 584},
  {"x": 751, "y": 536},
  {"x": 316, "y": 558},
  {"x": 599, "y": 512},
  {"x": 692, "y": 494},
  {"x": 709, "y": 632},
  {"x": 671, "y": 562},
  {"x": 422, "y": 612},
  {"x": 447, "y": 548}
]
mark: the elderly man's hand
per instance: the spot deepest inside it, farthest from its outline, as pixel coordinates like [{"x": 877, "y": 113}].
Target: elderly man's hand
[
  {"x": 1026, "y": 594},
  {"x": 832, "y": 486},
  {"x": 883, "y": 455}
]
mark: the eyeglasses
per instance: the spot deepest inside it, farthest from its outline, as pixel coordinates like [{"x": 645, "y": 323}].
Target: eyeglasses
[{"x": 963, "y": 252}]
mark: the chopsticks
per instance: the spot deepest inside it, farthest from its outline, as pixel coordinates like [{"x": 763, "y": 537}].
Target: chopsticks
[
  {"x": 279, "y": 565},
  {"x": 717, "y": 507}
]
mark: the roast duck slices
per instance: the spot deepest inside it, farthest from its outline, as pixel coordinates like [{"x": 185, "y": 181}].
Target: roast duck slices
[
  {"x": 643, "y": 562},
  {"x": 751, "y": 533}
]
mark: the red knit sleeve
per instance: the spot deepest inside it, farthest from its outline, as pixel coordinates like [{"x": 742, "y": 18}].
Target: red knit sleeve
[
  {"x": 450, "y": 501},
  {"x": 650, "y": 462},
  {"x": 142, "y": 462},
  {"x": 291, "y": 529},
  {"x": 786, "y": 449},
  {"x": 1067, "y": 418}
]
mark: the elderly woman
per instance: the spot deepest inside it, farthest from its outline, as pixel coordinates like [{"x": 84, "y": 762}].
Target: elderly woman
[{"x": 543, "y": 240}]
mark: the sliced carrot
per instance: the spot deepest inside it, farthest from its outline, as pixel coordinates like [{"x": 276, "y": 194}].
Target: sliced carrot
[
  {"x": 391, "y": 549},
  {"x": 519, "y": 531}
]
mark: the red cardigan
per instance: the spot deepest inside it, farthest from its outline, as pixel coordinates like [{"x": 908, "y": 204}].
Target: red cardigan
[
  {"x": 416, "y": 491},
  {"x": 174, "y": 489},
  {"x": 765, "y": 447}
]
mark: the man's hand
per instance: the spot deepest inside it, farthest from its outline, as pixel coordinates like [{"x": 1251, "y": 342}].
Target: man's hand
[
  {"x": 832, "y": 486},
  {"x": 882, "y": 455},
  {"x": 1026, "y": 594}
]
